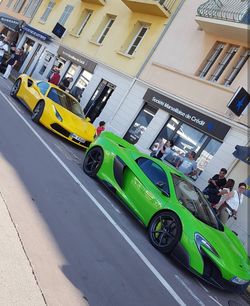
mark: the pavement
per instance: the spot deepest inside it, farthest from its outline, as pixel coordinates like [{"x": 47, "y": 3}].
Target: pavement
[{"x": 18, "y": 283}]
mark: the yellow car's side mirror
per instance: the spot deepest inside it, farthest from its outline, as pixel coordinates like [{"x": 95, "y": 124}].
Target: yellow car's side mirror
[{"x": 87, "y": 119}]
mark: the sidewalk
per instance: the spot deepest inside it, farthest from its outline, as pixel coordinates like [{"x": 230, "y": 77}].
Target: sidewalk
[{"x": 18, "y": 284}]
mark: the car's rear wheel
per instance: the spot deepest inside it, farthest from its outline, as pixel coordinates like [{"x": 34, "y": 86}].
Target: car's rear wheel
[
  {"x": 37, "y": 111},
  {"x": 15, "y": 88},
  {"x": 165, "y": 231},
  {"x": 93, "y": 161}
]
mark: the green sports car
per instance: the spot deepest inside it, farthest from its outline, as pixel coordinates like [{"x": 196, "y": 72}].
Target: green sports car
[{"x": 178, "y": 218}]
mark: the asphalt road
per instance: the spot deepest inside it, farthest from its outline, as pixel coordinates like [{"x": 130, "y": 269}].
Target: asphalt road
[{"x": 82, "y": 243}]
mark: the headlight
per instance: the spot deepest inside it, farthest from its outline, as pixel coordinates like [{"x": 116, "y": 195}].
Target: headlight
[
  {"x": 239, "y": 281},
  {"x": 58, "y": 116},
  {"x": 200, "y": 241}
]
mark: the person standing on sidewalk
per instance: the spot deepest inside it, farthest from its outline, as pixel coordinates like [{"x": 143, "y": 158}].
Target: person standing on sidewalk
[
  {"x": 4, "y": 47},
  {"x": 13, "y": 60}
]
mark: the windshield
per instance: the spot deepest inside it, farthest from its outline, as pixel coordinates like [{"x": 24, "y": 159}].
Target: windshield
[
  {"x": 66, "y": 101},
  {"x": 193, "y": 199}
]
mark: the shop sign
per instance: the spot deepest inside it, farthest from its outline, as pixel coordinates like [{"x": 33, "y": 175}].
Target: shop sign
[
  {"x": 77, "y": 59},
  {"x": 36, "y": 33},
  {"x": 10, "y": 23},
  {"x": 242, "y": 153},
  {"x": 186, "y": 114},
  {"x": 239, "y": 101}
]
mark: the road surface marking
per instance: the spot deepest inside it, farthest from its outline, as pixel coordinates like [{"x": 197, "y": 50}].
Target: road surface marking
[
  {"x": 189, "y": 290},
  {"x": 108, "y": 200},
  {"x": 215, "y": 300},
  {"x": 203, "y": 286},
  {"x": 165, "y": 284}
]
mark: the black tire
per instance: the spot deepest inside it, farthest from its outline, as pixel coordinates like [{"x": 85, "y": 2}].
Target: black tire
[
  {"x": 15, "y": 88},
  {"x": 165, "y": 231},
  {"x": 93, "y": 161},
  {"x": 37, "y": 112}
]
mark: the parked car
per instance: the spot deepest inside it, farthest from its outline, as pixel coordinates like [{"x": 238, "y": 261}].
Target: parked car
[
  {"x": 178, "y": 218},
  {"x": 55, "y": 109}
]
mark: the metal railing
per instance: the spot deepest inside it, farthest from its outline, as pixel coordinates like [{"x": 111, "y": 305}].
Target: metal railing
[
  {"x": 229, "y": 10},
  {"x": 167, "y": 4}
]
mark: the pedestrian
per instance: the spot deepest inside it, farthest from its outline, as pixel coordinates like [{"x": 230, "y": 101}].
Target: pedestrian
[
  {"x": 222, "y": 193},
  {"x": 55, "y": 76},
  {"x": 4, "y": 47},
  {"x": 231, "y": 204},
  {"x": 188, "y": 165},
  {"x": 77, "y": 93},
  {"x": 12, "y": 62},
  {"x": 164, "y": 149},
  {"x": 100, "y": 128},
  {"x": 64, "y": 85},
  {"x": 215, "y": 183}
]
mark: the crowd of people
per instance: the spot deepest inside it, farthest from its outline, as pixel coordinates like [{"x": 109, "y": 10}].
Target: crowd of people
[
  {"x": 10, "y": 56},
  {"x": 220, "y": 192}
]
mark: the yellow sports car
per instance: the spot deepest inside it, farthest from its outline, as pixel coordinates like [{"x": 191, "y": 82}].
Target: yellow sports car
[{"x": 55, "y": 109}]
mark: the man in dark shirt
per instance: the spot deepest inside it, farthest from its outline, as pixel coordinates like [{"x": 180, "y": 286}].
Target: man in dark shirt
[
  {"x": 65, "y": 83},
  {"x": 217, "y": 182},
  {"x": 12, "y": 62}
]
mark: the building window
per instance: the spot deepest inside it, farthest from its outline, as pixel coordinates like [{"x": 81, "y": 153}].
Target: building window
[
  {"x": 223, "y": 64},
  {"x": 137, "y": 40},
  {"x": 47, "y": 11},
  {"x": 236, "y": 69},
  {"x": 105, "y": 30},
  {"x": 65, "y": 15},
  {"x": 18, "y": 6},
  {"x": 9, "y": 3},
  {"x": 31, "y": 8},
  {"x": 186, "y": 139},
  {"x": 83, "y": 22},
  {"x": 211, "y": 59},
  {"x": 140, "y": 124}
]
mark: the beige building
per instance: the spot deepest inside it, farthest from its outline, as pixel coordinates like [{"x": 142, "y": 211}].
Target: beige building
[{"x": 193, "y": 90}]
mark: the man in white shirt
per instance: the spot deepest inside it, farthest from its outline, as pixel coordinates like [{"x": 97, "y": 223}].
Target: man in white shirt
[
  {"x": 232, "y": 202},
  {"x": 4, "y": 47}
]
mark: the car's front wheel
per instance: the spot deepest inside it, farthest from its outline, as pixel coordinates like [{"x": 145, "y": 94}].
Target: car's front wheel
[
  {"x": 93, "y": 161},
  {"x": 37, "y": 111},
  {"x": 15, "y": 88},
  {"x": 165, "y": 231}
]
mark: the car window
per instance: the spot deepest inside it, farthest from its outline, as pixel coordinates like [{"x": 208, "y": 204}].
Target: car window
[
  {"x": 65, "y": 100},
  {"x": 43, "y": 87},
  {"x": 193, "y": 199},
  {"x": 154, "y": 172}
]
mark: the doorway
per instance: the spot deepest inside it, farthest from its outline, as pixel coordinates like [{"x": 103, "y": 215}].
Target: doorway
[{"x": 99, "y": 100}]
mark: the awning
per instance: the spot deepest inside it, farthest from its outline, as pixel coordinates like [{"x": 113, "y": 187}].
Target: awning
[
  {"x": 36, "y": 33},
  {"x": 11, "y": 23}
]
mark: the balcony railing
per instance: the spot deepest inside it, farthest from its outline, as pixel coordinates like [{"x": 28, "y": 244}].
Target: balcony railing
[
  {"x": 228, "y": 10},
  {"x": 154, "y": 7}
]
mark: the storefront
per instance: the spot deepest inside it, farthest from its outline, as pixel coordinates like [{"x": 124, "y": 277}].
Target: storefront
[
  {"x": 189, "y": 129},
  {"x": 10, "y": 27}
]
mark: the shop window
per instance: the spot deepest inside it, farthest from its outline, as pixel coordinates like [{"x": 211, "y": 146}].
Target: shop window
[
  {"x": 47, "y": 11},
  {"x": 140, "y": 124},
  {"x": 81, "y": 83},
  {"x": 207, "y": 154},
  {"x": 9, "y": 3},
  {"x": 65, "y": 15},
  {"x": 82, "y": 22},
  {"x": 103, "y": 29},
  {"x": 186, "y": 139},
  {"x": 135, "y": 38}
]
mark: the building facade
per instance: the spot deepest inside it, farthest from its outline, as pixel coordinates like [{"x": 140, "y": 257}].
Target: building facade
[
  {"x": 194, "y": 90},
  {"x": 101, "y": 44}
]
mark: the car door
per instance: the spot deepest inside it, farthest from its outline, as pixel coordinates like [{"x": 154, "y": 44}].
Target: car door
[
  {"x": 147, "y": 189},
  {"x": 35, "y": 92}
]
